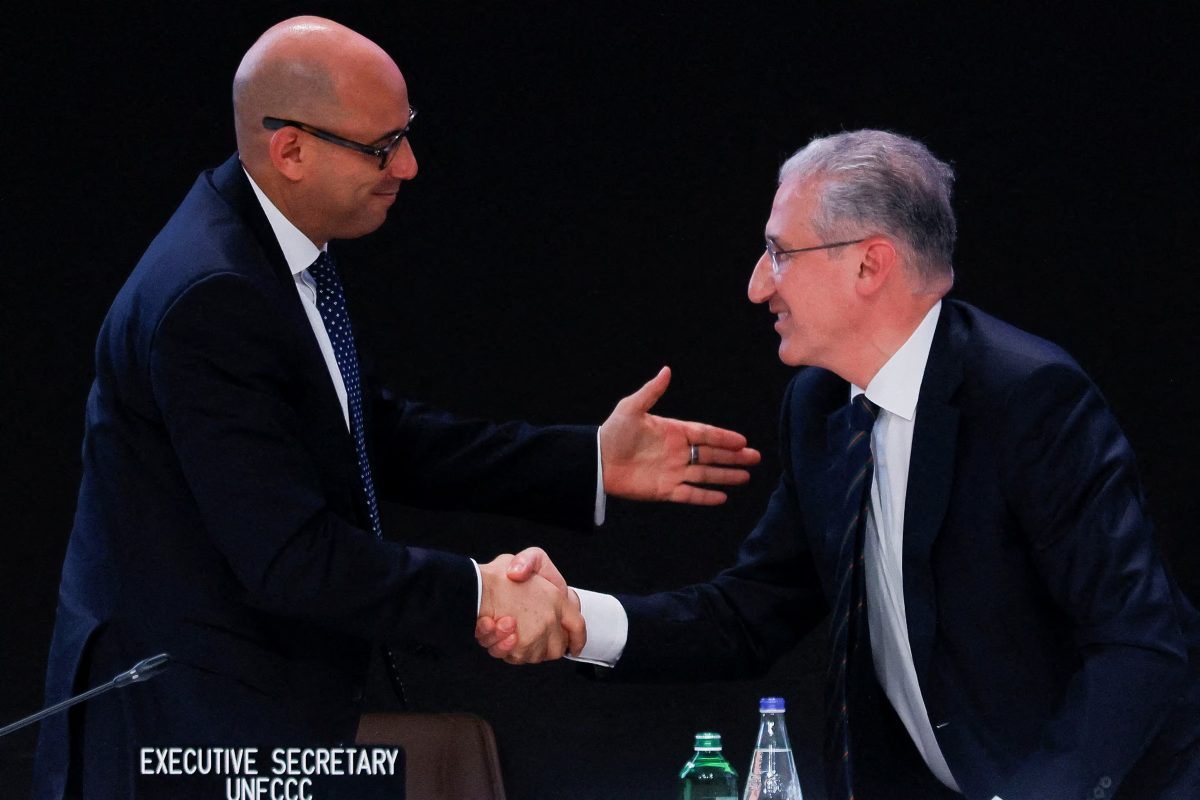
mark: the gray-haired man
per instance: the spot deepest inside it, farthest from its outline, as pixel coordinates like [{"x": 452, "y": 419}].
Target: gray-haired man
[{"x": 1007, "y": 626}]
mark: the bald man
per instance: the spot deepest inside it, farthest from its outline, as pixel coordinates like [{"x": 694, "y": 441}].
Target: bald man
[{"x": 235, "y": 449}]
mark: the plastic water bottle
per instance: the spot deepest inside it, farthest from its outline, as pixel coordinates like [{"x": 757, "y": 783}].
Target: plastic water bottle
[
  {"x": 772, "y": 774},
  {"x": 708, "y": 775}
]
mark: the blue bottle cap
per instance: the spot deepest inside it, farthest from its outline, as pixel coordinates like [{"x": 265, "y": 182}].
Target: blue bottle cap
[{"x": 770, "y": 704}]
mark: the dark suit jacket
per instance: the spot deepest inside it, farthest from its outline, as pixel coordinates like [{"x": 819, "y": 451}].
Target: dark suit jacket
[
  {"x": 221, "y": 518},
  {"x": 1049, "y": 642}
]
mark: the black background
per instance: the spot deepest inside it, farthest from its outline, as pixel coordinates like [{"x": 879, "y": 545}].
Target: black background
[{"x": 593, "y": 183}]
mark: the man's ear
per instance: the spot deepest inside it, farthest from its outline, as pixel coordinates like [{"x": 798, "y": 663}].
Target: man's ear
[
  {"x": 288, "y": 152},
  {"x": 879, "y": 261}
]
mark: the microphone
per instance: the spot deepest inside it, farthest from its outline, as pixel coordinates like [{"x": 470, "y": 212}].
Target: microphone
[{"x": 143, "y": 670}]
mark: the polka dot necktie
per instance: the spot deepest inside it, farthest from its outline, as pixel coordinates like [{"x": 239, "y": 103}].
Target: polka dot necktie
[
  {"x": 331, "y": 302},
  {"x": 848, "y": 624}
]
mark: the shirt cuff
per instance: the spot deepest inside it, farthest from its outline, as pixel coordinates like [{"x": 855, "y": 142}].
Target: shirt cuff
[
  {"x": 607, "y": 628},
  {"x": 478, "y": 587},
  {"x": 598, "y": 514}
]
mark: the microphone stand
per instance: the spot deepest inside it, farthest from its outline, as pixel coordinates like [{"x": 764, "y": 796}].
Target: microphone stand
[{"x": 147, "y": 668}]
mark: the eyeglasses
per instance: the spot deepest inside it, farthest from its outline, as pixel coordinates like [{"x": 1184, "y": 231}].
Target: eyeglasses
[
  {"x": 384, "y": 154},
  {"x": 775, "y": 254}
]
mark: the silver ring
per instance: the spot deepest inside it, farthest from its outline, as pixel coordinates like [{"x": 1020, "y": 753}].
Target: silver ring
[{"x": 694, "y": 456}]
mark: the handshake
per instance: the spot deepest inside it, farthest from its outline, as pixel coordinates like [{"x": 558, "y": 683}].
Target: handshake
[{"x": 527, "y": 613}]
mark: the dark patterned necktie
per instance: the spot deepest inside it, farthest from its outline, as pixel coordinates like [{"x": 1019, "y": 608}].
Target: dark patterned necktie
[
  {"x": 847, "y": 632},
  {"x": 331, "y": 302}
]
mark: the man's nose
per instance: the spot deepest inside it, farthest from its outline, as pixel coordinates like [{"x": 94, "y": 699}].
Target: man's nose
[
  {"x": 762, "y": 281},
  {"x": 404, "y": 164}
]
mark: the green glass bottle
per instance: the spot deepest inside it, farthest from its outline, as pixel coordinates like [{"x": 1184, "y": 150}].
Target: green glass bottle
[{"x": 708, "y": 775}]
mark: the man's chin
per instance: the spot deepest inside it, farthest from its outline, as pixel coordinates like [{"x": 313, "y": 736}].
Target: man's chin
[
  {"x": 362, "y": 227},
  {"x": 789, "y": 356}
]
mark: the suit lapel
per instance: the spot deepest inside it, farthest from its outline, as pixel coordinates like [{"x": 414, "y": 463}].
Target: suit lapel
[
  {"x": 930, "y": 481},
  {"x": 230, "y": 182}
]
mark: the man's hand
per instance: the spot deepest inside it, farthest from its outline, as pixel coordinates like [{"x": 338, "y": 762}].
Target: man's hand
[
  {"x": 499, "y": 636},
  {"x": 650, "y": 458},
  {"x": 532, "y": 619}
]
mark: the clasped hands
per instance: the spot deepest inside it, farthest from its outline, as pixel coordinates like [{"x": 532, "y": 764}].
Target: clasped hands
[
  {"x": 527, "y": 612},
  {"x": 526, "y": 593}
]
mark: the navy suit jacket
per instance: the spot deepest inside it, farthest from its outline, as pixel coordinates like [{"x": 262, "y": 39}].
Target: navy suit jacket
[
  {"x": 1050, "y": 644},
  {"x": 221, "y": 518}
]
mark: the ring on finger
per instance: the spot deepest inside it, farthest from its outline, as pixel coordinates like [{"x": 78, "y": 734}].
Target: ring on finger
[{"x": 694, "y": 455}]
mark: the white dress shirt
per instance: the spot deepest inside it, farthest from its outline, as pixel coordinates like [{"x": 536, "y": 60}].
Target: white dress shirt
[{"x": 895, "y": 389}]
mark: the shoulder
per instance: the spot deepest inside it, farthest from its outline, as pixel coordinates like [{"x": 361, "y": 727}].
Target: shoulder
[
  {"x": 217, "y": 228},
  {"x": 995, "y": 356},
  {"x": 210, "y": 241},
  {"x": 998, "y": 344},
  {"x": 1015, "y": 385},
  {"x": 212, "y": 278}
]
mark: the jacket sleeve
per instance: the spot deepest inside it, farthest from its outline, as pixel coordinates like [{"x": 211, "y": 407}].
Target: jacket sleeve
[
  {"x": 431, "y": 459},
  {"x": 740, "y": 622}
]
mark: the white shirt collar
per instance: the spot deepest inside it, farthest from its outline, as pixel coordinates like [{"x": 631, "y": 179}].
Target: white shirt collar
[
  {"x": 896, "y": 386},
  {"x": 298, "y": 249}
]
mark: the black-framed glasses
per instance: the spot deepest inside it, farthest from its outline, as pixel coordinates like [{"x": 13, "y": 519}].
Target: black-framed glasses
[
  {"x": 384, "y": 153},
  {"x": 775, "y": 254}
]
